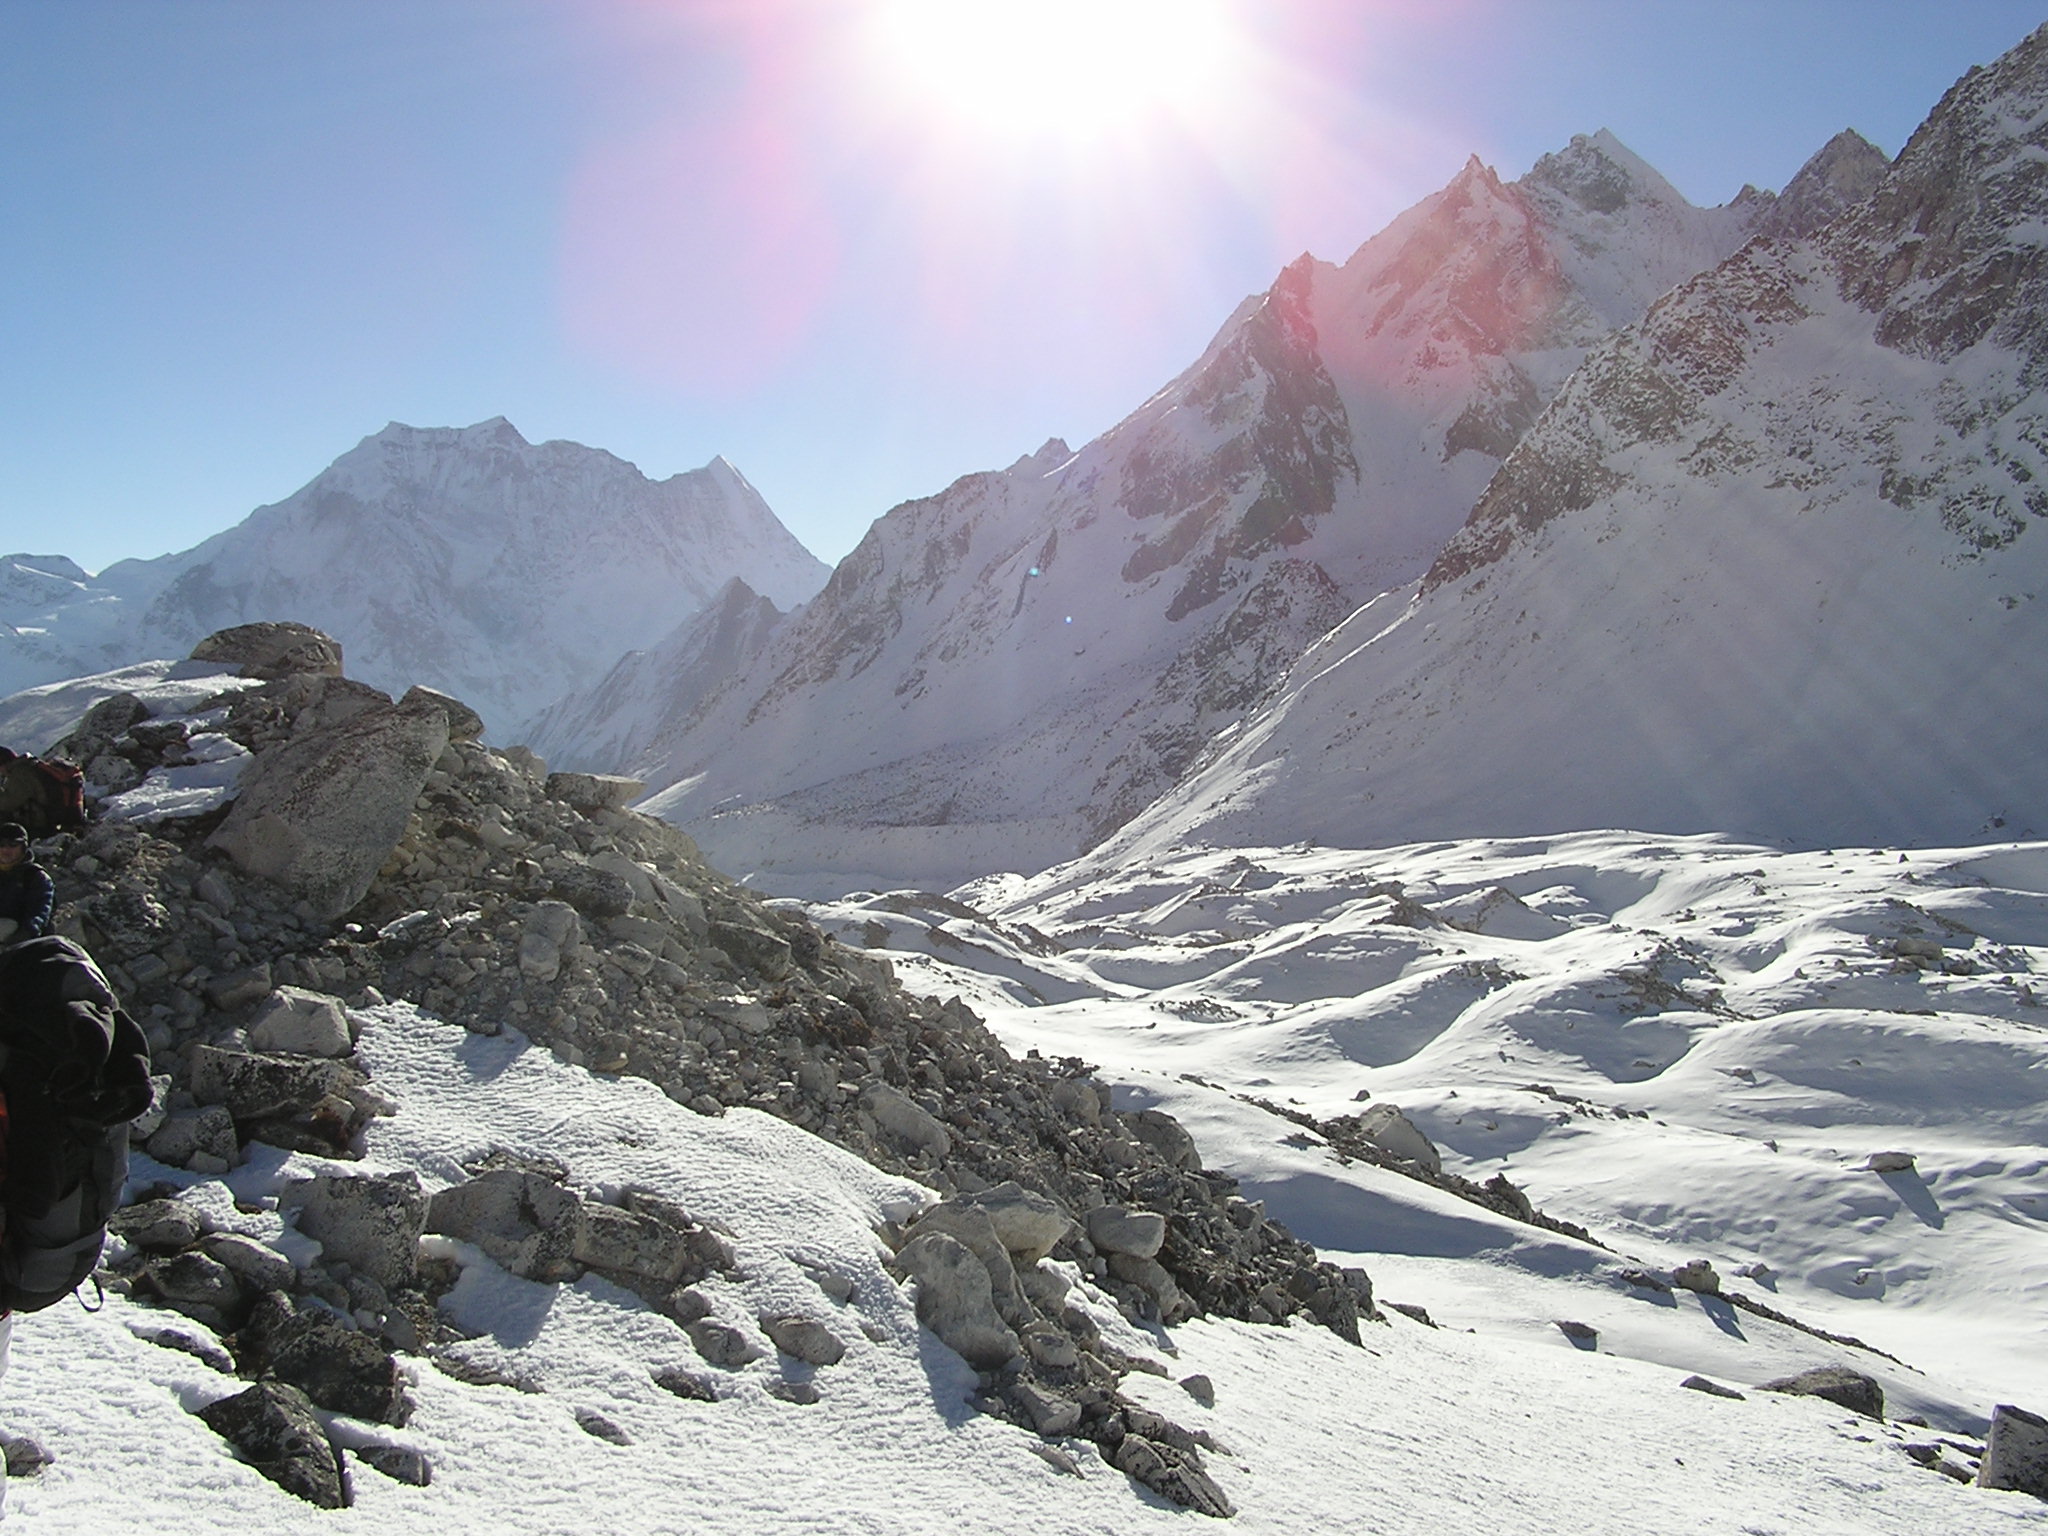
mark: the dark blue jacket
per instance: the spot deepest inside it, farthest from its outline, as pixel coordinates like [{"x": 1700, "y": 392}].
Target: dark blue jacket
[{"x": 26, "y": 895}]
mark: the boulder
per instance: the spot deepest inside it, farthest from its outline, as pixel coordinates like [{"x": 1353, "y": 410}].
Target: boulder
[
  {"x": 1836, "y": 1384},
  {"x": 1394, "y": 1133},
  {"x": 464, "y": 723},
  {"x": 635, "y": 1245},
  {"x": 1173, "y": 1474},
  {"x": 1888, "y": 1162},
  {"x": 373, "y": 1223},
  {"x": 803, "y": 1338},
  {"x": 592, "y": 891},
  {"x": 300, "y": 1023},
  {"x": 971, "y": 1225},
  {"x": 202, "y": 1139},
  {"x": 1028, "y": 1224},
  {"x": 400, "y": 1463},
  {"x": 524, "y": 1220},
  {"x": 320, "y": 814},
  {"x": 903, "y": 1121},
  {"x": 338, "y": 1367},
  {"x": 159, "y": 1225},
  {"x": 272, "y": 650},
  {"x": 553, "y": 934},
  {"x": 2016, "y": 1452},
  {"x": 1118, "y": 1229},
  {"x": 766, "y": 954},
  {"x": 721, "y": 1344},
  {"x": 1697, "y": 1275},
  {"x": 257, "y": 1267},
  {"x": 1166, "y": 1136},
  {"x": 589, "y": 792},
  {"x": 954, "y": 1300},
  {"x": 273, "y": 1428}
]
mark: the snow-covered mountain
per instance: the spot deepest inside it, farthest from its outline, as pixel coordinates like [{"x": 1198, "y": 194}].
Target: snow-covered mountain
[
  {"x": 1002, "y": 674},
  {"x": 502, "y": 571},
  {"x": 651, "y": 692},
  {"x": 1765, "y": 567}
]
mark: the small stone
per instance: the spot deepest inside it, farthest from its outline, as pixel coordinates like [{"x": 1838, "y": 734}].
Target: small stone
[
  {"x": 399, "y": 1463},
  {"x": 722, "y": 1345},
  {"x": 685, "y": 1384},
  {"x": 595, "y": 1424},
  {"x": 1712, "y": 1388},
  {"x": 802, "y": 1338},
  {"x": 1584, "y": 1334},
  {"x": 1200, "y": 1388},
  {"x": 802, "y": 1393},
  {"x": 1117, "y": 1229},
  {"x": 1889, "y": 1162},
  {"x": 25, "y": 1457}
]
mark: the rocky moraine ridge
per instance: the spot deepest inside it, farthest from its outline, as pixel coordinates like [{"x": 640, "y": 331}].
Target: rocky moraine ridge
[{"x": 376, "y": 850}]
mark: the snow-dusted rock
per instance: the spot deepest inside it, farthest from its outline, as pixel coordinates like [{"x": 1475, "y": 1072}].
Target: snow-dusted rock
[
  {"x": 954, "y": 1299},
  {"x": 298, "y": 1022},
  {"x": 321, "y": 814},
  {"x": 371, "y": 1222},
  {"x": 2016, "y": 1452}
]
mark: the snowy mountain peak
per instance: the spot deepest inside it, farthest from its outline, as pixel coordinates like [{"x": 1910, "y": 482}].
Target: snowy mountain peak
[
  {"x": 1601, "y": 175},
  {"x": 1845, "y": 171},
  {"x": 1949, "y": 249}
]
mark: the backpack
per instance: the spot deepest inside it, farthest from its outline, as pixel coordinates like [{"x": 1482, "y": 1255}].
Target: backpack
[
  {"x": 45, "y": 794},
  {"x": 74, "y": 1071}
]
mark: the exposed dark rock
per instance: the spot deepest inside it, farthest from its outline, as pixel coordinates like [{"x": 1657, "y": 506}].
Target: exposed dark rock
[
  {"x": 272, "y": 1427},
  {"x": 1837, "y": 1384}
]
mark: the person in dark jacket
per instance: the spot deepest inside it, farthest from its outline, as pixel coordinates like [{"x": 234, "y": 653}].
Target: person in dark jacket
[{"x": 26, "y": 893}]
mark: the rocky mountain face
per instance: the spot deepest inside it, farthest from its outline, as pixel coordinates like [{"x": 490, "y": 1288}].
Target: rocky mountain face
[
  {"x": 651, "y": 692},
  {"x": 370, "y": 850},
  {"x": 505, "y": 571},
  {"x": 1001, "y": 675},
  {"x": 1764, "y": 566}
]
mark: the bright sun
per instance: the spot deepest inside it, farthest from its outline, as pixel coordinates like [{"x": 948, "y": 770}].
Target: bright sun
[{"x": 1078, "y": 70}]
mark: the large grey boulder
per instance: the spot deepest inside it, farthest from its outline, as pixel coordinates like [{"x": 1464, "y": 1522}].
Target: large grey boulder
[
  {"x": 320, "y": 814},
  {"x": 552, "y": 935},
  {"x": 972, "y": 1226},
  {"x": 371, "y": 1222},
  {"x": 272, "y": 650},
  {"x": 301, "y": 1023},
  {"x": 904, "y": 1122},
  {"x": 527, "y": 1222},
  {"x": 1836, "y": 1384},
  {"x": 1028, "y": 1224},
  {"x": 1117, "y": 1229},
  {"x": 954, "y": 1300},
  {"x": 2016, "y": 1453},
  {"x": 1393, "y": 1132}
]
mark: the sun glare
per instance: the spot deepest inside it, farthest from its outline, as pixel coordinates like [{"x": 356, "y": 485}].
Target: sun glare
[{"x": 1063, "y": 69}]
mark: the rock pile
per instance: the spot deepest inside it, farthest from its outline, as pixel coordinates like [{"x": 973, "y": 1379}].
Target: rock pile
[{"x": 377, "y": 849}]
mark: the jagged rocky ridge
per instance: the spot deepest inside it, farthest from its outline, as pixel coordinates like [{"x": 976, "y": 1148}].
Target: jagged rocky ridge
[
  {"x": 1003, "y": 674},
  {"x": 499, "y": 893},
  {"x": 1756, "y": 544}
]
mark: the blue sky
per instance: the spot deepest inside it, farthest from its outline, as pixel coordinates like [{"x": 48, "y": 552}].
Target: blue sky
[{"x": 238, "y": 235}]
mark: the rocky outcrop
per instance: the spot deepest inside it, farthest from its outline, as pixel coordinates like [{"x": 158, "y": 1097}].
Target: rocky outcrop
[
  {"x": 510, "y": 897},
  {"x": 320, "y": 815}
]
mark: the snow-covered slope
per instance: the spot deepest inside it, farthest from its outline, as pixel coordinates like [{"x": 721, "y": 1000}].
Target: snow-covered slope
[
  {"x": 1003, "y": 673},
  {"x": 1311, "y": 1430},
  {"x": 1765, "y": 567},
  {"x": 1691, "y": 1047},
  {"x": 502, "y": 571}
]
